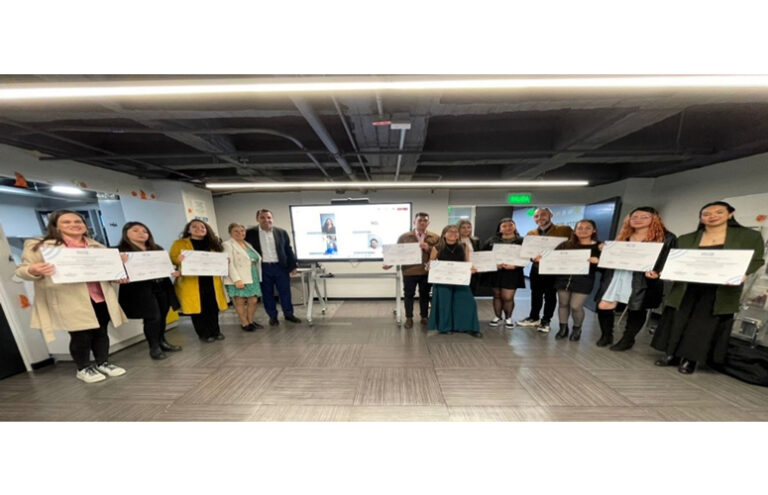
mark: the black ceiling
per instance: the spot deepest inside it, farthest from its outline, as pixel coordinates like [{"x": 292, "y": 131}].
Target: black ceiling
[{"x": 600, "y": 136}]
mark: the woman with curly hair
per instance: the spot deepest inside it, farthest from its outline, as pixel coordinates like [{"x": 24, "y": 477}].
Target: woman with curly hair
[
  {"x": 201, "y": 297},
  {"x": 637, "y": 290}
]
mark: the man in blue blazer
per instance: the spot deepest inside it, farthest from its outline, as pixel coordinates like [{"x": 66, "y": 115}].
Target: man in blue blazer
[{"x": 278, "y": 263}]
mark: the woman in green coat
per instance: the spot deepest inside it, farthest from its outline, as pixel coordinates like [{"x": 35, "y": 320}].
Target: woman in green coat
[{"x": 698, "y": 317}]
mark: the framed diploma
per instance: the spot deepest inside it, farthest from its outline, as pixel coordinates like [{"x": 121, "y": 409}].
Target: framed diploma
[
  {"x": 632, "y": 256},
  {"x": 707, "y": 266},
  {"x": 83, "y": 264},
  {"x": 204, "y": 263},
  {"x": 509, "y": 254},
  {"x": 450, "y": 272},
  {"x": 484, "y": 261},
  {"x": 534, "y": 245},
  {"x": 402, "y": 254},
  {"x": 565, "y": 262},
  {"x": 148, "y": 265}
]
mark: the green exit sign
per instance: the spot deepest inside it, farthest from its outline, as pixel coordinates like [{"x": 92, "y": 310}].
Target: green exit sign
[{"x": 519, "y": 199}]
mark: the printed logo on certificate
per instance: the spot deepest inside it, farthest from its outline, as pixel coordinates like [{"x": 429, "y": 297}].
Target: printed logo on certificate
[
  {"x": 204, "y": 263},
  {"x": 83, "y": 264},
  {"x": 565, "y": 262},
  {"x": 631, "y": 256},
  {"x": 707, "y": 266},
  {"x": 408, "y": 253},
  {"x": 450, "y": 272}
]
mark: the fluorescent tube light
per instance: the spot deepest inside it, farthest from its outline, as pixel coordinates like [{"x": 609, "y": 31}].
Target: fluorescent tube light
[
  {"x": 68, "y": 190},
  {"x": 322, "y": 186},
  {"x": 372, "y": 84}
]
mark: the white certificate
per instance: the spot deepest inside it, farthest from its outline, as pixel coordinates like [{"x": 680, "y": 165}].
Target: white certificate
[
  {"x": 83, "y": 264},
  {"x": 408, "y": 253},
  {"x": 707, "y": 266},
  {"x": 632, "y": 256},
  {"x": 450, "y": 272},
  {"x": 509, "y": 254},
  {"x": 534, "y": 245},
  {"x": 565, "y": 262},
  {"x": 148, "y": 265},
  {"x": 204, "y": 263},
  {"x": 484, "y": 261}
]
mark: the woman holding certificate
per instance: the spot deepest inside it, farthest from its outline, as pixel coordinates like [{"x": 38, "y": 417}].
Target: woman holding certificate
[
  {"x": 201, "y": 296},
  {"x": 151, "y": 299},
  {"x": 243, "y": 283},
  {"x": 508, "y": 278},
  {"x": 698, "y": 317},
  {"x": 573, "y": 290},
  {"x": 471, "y": 244},
  {"x": 453, "y": 306},
  {"x": 637, "y": 290},
  {"x": 84, "y": 309}
]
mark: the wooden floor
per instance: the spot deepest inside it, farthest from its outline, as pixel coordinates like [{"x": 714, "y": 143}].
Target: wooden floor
[{"x": 355, "y": 364}]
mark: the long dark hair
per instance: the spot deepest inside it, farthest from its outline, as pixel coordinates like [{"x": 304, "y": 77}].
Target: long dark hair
[
  {"x": 573, "y": 242},
  {"x": 211, "y": 239},
  {"x": 127, "y": 245},
  {"x": 505, "y": 220},
  {"x": 731, "y": 221},
  {"x": 52, "y": 232}
]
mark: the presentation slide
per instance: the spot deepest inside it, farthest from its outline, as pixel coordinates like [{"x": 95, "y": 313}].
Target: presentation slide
[{"x": 348, "y": 231}]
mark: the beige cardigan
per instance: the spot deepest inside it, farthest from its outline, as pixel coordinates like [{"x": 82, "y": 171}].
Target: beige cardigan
[
  {"x": 239, "y": 263},
  {"x": 64, "y": 306}
]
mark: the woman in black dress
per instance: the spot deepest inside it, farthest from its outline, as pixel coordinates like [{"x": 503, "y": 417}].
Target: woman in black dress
[
  {"x": 508, "y": 278},
  {"x": 573, "y": 290},
  {"x": 698, "y": 317},
  {"x": 148, "y": 300}
]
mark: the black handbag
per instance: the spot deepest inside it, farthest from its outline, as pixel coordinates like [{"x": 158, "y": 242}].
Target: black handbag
[{"x": 748, "y": 364}]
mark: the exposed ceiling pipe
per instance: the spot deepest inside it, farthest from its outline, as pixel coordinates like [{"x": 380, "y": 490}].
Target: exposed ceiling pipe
[
  {"x": 314, "y": 121},
  {"x": 400, "y": 156},
  {"x": 380, "y": 105},
  {"x": 351, "y": 137}
]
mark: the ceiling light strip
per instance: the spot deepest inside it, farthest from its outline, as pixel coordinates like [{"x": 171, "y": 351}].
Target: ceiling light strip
[
  {"x": 68, "y": 90},
  {"x": 316, "y": 186}
]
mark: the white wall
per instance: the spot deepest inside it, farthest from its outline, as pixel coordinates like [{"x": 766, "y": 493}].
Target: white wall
[{"x": 19, "y": 220}]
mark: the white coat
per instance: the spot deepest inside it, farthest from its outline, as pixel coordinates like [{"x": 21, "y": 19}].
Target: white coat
[{"x": 239, "y": 263}]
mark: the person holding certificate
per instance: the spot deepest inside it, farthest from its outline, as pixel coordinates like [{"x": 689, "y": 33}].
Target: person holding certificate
[
  {"x": 416, "y": 275},
  {"x": 453, "y": 306},
  {"x": 243, "y": 283},
  {"x": 471, "y": 244},
  {"x": 637, "y": 290},
  {"x": 149, "y": 300},
  {"x": 508, "y": 278},
  {"x": 698, "y": 317},
  {"x": 201, "y": 296},
  {"x": 573, "y": 290},
  {"x": 543, "y": 286},
  {"x": 84, "y": 309}
]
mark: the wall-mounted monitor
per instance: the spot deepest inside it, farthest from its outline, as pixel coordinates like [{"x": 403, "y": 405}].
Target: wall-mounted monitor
[{"x": 345, "y": 232}]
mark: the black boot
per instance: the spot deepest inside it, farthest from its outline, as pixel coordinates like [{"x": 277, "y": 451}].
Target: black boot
[
  {"x": 563, "y": 333},
  {"x": 635, "y": 322},
  {"x": 167, "y": 346},
  {"x": 576, "y": 335},
  {"x": 605, "y": 318}
]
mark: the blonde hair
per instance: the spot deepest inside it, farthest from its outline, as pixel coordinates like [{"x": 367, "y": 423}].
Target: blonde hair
[{"x": 234, "y": 225}]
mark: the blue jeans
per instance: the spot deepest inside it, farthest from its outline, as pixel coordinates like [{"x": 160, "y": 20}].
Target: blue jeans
[{"x": 274, "y": 275}]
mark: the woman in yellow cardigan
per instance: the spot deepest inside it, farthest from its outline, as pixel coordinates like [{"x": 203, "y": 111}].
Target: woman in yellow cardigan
[{"x": 201, "y": 297}]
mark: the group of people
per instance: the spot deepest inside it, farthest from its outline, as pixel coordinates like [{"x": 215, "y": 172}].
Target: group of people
[
  {"x": 696, "y": 319},
  {"x": 260, "y": 261},
  {"x": 694, "y": 327}
]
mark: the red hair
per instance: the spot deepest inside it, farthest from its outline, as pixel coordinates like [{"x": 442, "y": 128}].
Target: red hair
[{"x": 655, "y": 233}]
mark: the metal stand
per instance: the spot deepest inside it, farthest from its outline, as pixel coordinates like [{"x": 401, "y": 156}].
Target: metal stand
[{"x": 314, "y": 289}]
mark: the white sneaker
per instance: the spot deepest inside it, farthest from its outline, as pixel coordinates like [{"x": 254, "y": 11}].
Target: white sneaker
[
  {"x": 544, "y": 328},
  {"x": 494, "y": 322},
  {"x": 509, "y": 322},
  {"x": 89, "y": 375},
  {"x": 528, "y": 322},
  {"x": 110, "y": 369}
]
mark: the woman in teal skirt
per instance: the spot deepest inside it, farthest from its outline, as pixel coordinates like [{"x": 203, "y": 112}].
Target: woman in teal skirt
[
  {"x": 243, "y": 283},
  {"x": 453, "y": 306}
]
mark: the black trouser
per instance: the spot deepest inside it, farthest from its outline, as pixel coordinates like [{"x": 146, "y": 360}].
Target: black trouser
[
  {"x": 206, "y": 323},
  {"x": 154, "y": 328},
  {"x": 409, "y": 289},
  {"x": 82, "y": 342},
  {"x": 542, "y": 288}
]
